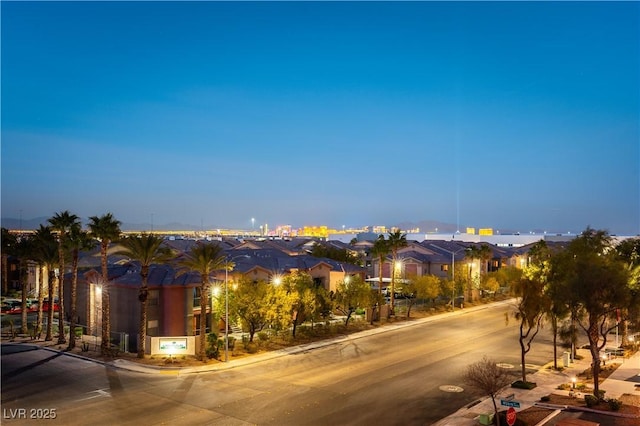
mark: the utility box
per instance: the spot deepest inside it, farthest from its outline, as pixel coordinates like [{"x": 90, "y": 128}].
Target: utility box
[
  {"x": 486, "y": 419},
  {"x": 566, "y": 359}
]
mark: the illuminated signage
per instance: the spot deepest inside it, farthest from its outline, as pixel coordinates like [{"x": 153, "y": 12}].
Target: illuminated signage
[{"x": 173, "y": 344}]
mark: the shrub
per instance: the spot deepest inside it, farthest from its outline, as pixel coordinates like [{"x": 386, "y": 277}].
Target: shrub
[
  {"x": 600, "y": 394},
  {"x": 252, "y": 347},
  {"x": 614, "y": 404},
  {"x": 590, "y": 400},
  {"x": 231, "y": 342},
  {"x": 545, "y": 398},
  {"x": 564, "y": 386},
  {"x": 213, "y": 346},
  {"x": 263, "y": 336}
]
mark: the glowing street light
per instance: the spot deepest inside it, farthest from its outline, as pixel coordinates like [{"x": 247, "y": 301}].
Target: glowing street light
[{"x": 229, "y": 265}]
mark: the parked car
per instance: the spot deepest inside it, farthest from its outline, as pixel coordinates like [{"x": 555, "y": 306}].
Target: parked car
[
  {"x": 11, "y": 306},
  {"x": 32, "y": 305},
  {"x": 45, "y": 305}
]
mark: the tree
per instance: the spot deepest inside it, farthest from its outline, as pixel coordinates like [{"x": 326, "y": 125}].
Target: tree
[
  {"x": 557, "y": 307},
  {"x": 422, "y": 287},
  {"x": 24, "y": 250},
  {"x": 491, "y": 284},
  {"x": 531, "y": 301},
  {"x": 42, "y": 237},
  {"x": 9, "y": 242},
  {"x": 351, "y": 294},
  {"x": 629, "y": 252},
  {"x": 78, "y": 240},
  {"x": 205, "y": 259},
  {"x": 106, "y": 229},
  {"x": 380, "y": 250},
  {"x": 483, "y": 253},
  {"x": 598, "y": 281},
  {"x": 280, "y": 305},
  {"x": 250, "y": 304},
  {"x": 397, "y": 240},
  {"x": 302, "y": 290},
  {"x": 487, "y": 377},
  {"x": 61, "y": 223},
  {"x": 47, "y": 254},
  {"x": 531, "y": 304},
  {"x": 146, "y": 249},
  {"x": 338, "y": 254}
]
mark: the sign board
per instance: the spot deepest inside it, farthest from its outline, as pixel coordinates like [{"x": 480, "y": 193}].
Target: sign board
[
  {"x": 171, "y": 345},
  {"x": 511, "y": 416},
  {"x": 507, "y": 403}
]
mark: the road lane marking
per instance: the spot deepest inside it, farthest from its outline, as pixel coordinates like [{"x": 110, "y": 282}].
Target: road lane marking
[{"x": 98, "y": 393}]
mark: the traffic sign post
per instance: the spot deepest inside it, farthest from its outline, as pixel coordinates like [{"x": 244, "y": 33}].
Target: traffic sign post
[
  {"x": 511, "y": 416},
  {"x": 510, "y": 403}
]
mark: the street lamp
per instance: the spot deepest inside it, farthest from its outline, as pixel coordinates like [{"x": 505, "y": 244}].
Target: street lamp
[
  {"x": 226, "y": 311},
  {"x": 229, "y": 265}
]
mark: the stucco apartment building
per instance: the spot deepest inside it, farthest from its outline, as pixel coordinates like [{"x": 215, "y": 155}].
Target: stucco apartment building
[{"x": 174, "y": 298}]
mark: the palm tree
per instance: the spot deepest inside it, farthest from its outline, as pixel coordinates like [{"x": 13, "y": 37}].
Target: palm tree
[
  {"x": 106, "y": 229},
  {"x": 78, "y": 241},
  {"x": 25, "y": 253},
  {"x": 9, "y": 242},
  {"x": 483, "y": 253},
  {"x": 204, "y": 259},
  {"x": 397, "y": 240},
  {"x": 62, "y": 223},
  {"x": 146, "y": 249},
  {"x": 47, "y": 254},
  {"x": 39, "y": 241},
  {"x": 380, "y": 250}
]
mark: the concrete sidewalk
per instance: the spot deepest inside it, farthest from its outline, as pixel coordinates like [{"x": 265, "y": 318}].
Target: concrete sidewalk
[{"x": 622, "y": 381}]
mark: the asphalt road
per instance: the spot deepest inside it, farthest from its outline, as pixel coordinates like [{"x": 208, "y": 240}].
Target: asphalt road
[{"x": 410, "y": 376}]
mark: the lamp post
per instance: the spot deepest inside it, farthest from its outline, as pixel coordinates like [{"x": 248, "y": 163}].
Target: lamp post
[
  {"x": 226, "y": 313},
  {"x": 228, "y": 265}
]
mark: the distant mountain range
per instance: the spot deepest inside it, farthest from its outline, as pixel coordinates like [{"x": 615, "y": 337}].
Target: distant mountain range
[
  {"x": 425, "y": 226},
  {"x": 11, "y": 223}
]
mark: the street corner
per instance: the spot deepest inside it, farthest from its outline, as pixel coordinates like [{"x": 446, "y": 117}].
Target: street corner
[{"x": 13, "y": 348}]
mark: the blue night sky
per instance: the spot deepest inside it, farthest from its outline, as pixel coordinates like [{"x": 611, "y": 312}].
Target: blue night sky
[{"x": 507, "y": 115}]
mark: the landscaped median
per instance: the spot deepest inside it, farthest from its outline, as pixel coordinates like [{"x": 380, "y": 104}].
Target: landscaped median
[{"x": 576, "y": 395}]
